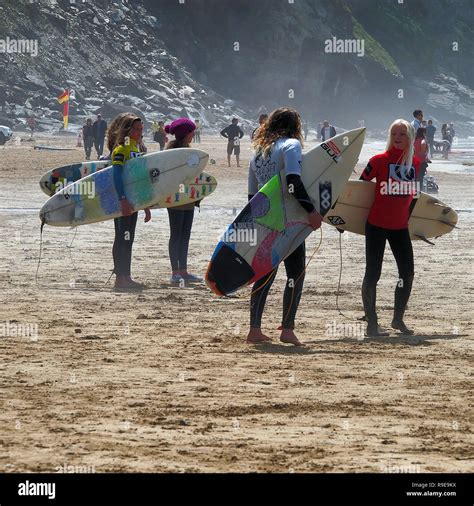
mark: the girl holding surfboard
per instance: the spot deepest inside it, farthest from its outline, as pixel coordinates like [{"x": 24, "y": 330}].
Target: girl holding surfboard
[
  {"x": 278, "y": 146},
  {"x": 126, "y": 146},
  {"x": 180, "y": 217},
  {"x": 395, "y": 172}
]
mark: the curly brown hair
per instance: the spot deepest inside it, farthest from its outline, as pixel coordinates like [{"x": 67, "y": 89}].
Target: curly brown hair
[{"x": 282, "y": 122}]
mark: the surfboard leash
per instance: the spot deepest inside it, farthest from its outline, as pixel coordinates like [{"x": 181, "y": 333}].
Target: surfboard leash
[
  {"x": 304, "y": 270},
  {"x": 40, "y": 251}
]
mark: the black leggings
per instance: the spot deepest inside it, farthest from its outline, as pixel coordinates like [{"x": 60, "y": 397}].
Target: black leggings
[
  {"x": 181, "y": 223},
  {"x": 294, "y": 265},
  {"x": 122, "y": 249},
  {"x": 400, "y": 243}
]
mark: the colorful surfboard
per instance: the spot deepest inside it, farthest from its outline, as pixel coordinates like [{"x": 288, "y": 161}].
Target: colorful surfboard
[
  {"x": 273, "y": 224},
  {"x": 147, "y": 179}
]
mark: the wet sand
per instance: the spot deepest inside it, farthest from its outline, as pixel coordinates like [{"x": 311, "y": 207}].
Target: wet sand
[{"x": 164, "y": 382}]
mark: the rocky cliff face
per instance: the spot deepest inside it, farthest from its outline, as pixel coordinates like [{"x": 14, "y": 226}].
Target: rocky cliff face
[{"x": 216, "y": 58}]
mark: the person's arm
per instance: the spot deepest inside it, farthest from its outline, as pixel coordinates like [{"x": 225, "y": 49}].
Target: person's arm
[
  {"x": 118, "y": 161},
  {"x": 369, "y": 172},
  {"x": 252, "y": 182},
  {"x": 224, "y": 132},
  {"x": 241, "y": 133},
  {"x": 293, "y": 159}
]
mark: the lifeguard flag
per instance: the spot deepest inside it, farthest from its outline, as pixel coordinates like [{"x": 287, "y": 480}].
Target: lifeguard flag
[{"x": 64, "y": 99}]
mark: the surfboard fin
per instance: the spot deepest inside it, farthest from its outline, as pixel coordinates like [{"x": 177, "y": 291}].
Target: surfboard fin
[{"x": 424, "y": 239}]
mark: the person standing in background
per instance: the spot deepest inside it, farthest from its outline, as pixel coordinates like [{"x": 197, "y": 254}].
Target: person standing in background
[
  {"x": 100, "y": 128},
  {"x": 159, "y": 135},
  {"x": 261, "y": 120},
  {"x": 88, "y": 138},
  {"x": 197, "y": 132},
  {"x": 451, "y": 133},
  {"x": 327, "y": 131},
  {"x": 446, "y": 137},
  {"x": 416, "y": 123},
  {"x": 305, "y": 130},
  {"x": 430, "y": 133},
  {"x": 233, "y": 133},
  {"x": 421, "y": 152}
]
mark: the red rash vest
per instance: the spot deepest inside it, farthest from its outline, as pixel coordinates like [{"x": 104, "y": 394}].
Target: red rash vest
[{"x": 394, "y": 190}]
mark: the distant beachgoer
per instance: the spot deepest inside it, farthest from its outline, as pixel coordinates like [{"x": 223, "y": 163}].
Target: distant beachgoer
[
  {"x": 197, "y": 132},
  {"x": 233, "y": 133},
  {"x": 100, "y": 128},
  {"x": 180, "y": 217},
  {"x": 430, "y": 133},
  {"x": 418, "y": 118},
  {"x": 327, "y": 131},
  {"x": 318, "y": 131},
  {"x": 451, "y": 132},
  {"x": 421, "y": 152},
  {"x": 88, "y": 138},
  {"x": 305, "y": 130},
  {"x": 261, "y": 120},
  {"x": 79, "y": 139},
  {"x": 160, "y": 135},
  {"x": 31, "y": 122},
  {"x": 446, "y": 136}
]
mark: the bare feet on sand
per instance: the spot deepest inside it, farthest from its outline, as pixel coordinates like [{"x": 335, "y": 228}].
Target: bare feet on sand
[
  {"x": 288, "y": 336},
  {"x": 257, "y": 336}
]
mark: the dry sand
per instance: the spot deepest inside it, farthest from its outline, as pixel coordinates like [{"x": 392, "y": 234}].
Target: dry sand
[{"x": 164, "y": 381}]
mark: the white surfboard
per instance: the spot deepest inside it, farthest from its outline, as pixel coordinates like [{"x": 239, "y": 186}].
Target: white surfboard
[
  {"x": 147, "y": 179},
  {"x": 429, "y": 217}
]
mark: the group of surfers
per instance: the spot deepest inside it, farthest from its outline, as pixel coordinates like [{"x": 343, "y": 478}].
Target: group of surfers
[{"x": 278, "y": 144}]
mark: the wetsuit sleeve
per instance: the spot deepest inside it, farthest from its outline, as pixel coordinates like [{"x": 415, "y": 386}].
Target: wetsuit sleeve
[
  {"x": 118, "y": 160},
  {"x": 297, "y": 189},
  {"x": 225, "y": 133},
  {"x": 292, "y": 157},
  {"x": 252, "y": 181},
  {"x": 369, "y": 172}
]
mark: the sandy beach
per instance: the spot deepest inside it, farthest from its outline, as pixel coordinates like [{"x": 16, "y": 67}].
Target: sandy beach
[{"x": 163, "y": 381}]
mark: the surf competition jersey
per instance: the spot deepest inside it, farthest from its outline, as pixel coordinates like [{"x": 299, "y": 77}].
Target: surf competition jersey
[
  {"x": 121, "y": 154},
  {"x": 285, "y": 154},
  {"x": 394, "y": 190}
]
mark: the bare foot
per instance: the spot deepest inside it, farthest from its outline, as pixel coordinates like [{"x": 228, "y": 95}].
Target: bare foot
[
  {"x": 288, "y": 336},
  {"x": 257, "y": 336}
]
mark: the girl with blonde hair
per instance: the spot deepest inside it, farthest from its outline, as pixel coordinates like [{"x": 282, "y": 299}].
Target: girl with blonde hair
[{"x": 396, "y": 173}]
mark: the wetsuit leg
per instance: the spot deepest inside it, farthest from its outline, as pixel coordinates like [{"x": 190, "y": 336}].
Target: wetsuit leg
[
  {"x": 295, "y": 269},
  {"x": 259, "y": 297},
  {"x": 122, "y": 248},
  {"x": 176, "y": 225},
  {"x": 375, "y": 239},
  {"x": 185, "y": 235},
  {"x": 402, "y": 249}
]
